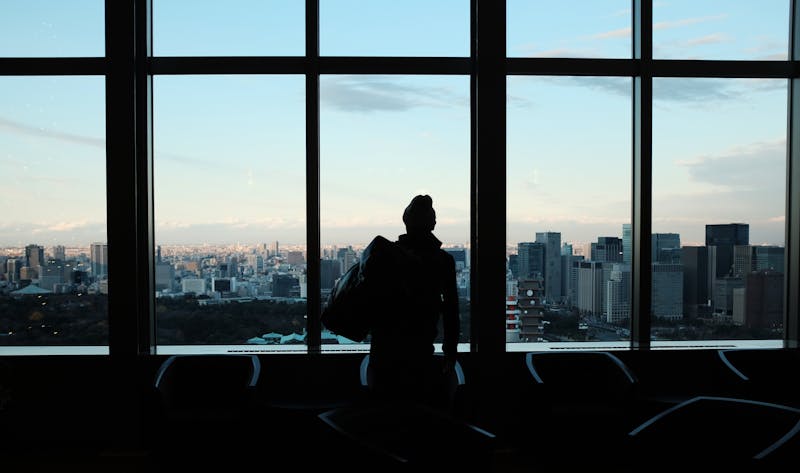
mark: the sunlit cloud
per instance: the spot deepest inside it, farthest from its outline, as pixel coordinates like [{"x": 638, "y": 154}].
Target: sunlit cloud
[
  {"x": 12, "y": 126},
  {"x": 756, "y": 166},
  {"x": 661, "y": 25},
  {"x": 713, "y": 38}
]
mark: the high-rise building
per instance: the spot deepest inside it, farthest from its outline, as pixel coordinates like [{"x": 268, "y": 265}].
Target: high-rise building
[
  {"x": 347, "y": 257},
  {"x": 530, "y": 259},
  {"x": 723, "y": 295},
  {"x": 743, "y": 260},
  {"x": 330, "y": 271},
  {"x": 59, "y": 252},
  {"x": 591, "y": 285},
  {"x": 295, "y": 258},
  {"x": 569, "y": 277},
  {"x": 34, "y": 256},
  {"x": 552, "y": 265},
  {"x": 98, "y": 258},
  {"x": 607, "y": 250},
  {"x": 165, "y": 276},
  {"x": 283, "y": 285},
  {"x": 769, "y": 257},
  {"x": 663, "y": 247},
  {"x": 694, "y": 260},
  {"x": 763, "y": 299},
  {"x": 618, "y": 293},
  {"x": 724, "y": 237},
  {"x": 667, "y": 291},
  {"x": 13, "y": 267},
  {"x": 513, "y": 266},
  {"x": 459, "y": 256},
  {"x": 193, "y": 285},
  {"x": 627, "y": 255}
]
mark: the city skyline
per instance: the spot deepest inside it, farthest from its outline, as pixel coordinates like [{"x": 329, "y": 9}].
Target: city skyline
[{"x": 231, "y": 166}]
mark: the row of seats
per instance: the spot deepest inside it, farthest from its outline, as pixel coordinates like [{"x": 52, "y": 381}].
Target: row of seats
[{"x": 576, "y": 408}]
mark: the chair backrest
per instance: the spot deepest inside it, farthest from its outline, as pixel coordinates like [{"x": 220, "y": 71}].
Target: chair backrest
[
  {"x": 206, "y": 381},
  {"x": 366, "y": 381},
  {"x": 718, "y": 430},
  {"x": 594, "y": 375}
]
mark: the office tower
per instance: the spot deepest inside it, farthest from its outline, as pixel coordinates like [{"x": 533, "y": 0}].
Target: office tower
[
  {"x": 59, "y": 253},
  {"x": 347, "y": 257},
  {"x": 667, "y": 291},
  {"x": 618, "y": 293},
  {"x": 591, "y": 287},
  {"x": 663, "y": 247},
  {"x": 723, "y": 295},
  {"x": 530, "y": 293},
  {"x": 165, "y": 276},
  {"x": 769, "y": 257},
  {"x": 98, "y": 258},
  {"x": 724, "y": 237},
  {"x": 607, "y": 250},
  {"x": 34, "y": 256},
  {"x": 763, "y": 299},
  {"x": 743, "y": 260},
  {"x": 233, "y": 267},
  {"x": 295, "y": 258},
  {"x": 530, "y": 258},
  {"x": 256, "y": 262},
  {"x": 52, "y": 273},
  {"x": 158, "y": 254},
  {"x": 13, "y": 267},
  {"x": 569, "y": 277},
  {"x": 513, "y": 266},
  {"x": 459, "y": 256},
  {"x": 277, "y": 249},
  {"x": 284, "y": 285},
  {"x": 627, "y": 255},
  {"x": 193, "y": 285},
  {"x": 695, "y": 280},
  {"x": 330, "y": 271},
  {"x": 552, "y": 265},
  {"x": 223, "y": 285}
]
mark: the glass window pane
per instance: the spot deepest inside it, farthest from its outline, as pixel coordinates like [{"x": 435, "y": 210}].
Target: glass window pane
[
  {"x": 538, "y": 28},
  {"x": 387, "y": 28},
  {"x": 228, "y": 28},
  {"x": 721, "y": 29},
  {"x": 383, "y": 141},
  {"x": 53, "y": 251},
  {"x": 568, "y": 203},
  {"x": 52, "y": 28},
  {"x": 229, "y": 179},
  {"x": 719, "y": 184}
]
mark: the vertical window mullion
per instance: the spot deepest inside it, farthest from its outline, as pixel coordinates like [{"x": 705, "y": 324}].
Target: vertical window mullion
[
  {"x": 144, "y": 178},
  {"x": 313, "y": 255},
  {"x": 641, "y": 221},
  {"x": 120, "y": 181},
  {"x": 488, "y": 289},
  {"x": 791, "y": 318}
]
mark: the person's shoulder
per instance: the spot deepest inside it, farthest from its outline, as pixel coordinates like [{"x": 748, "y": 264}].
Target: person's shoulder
[{"x": 446, "y": 257}]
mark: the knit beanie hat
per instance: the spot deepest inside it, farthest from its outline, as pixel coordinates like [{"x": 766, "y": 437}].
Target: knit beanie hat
[{"x": 419, "y": 215}]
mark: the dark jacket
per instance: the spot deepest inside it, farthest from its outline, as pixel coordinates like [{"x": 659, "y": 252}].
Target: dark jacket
[{"x": 405, "y": 326}]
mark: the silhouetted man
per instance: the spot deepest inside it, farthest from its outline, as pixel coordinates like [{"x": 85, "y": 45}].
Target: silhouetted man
[{"x": 405, "y": 326}]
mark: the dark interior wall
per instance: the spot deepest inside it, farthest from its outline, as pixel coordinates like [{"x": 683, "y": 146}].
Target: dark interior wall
[{"x": 91, "y": 402}]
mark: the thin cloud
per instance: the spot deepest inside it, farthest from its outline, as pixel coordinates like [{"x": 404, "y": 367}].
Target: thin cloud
[
  {"x": 713, "y": 38},
  {"x": 359, "y": 94},
  {"x": 755, "y": 166},
  {"x": 661, "y": 25},
  {"x": 37, "y": 132},
  {"x": 667, "y": 25}
]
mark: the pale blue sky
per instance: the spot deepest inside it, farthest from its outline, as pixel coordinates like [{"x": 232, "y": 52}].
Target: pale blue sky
[{"x": 229, "y": 162}]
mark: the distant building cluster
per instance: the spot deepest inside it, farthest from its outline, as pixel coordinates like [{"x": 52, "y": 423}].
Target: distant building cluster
[
  {"x": 727, "y": 280},
  {"x": 59, "y": 270}
]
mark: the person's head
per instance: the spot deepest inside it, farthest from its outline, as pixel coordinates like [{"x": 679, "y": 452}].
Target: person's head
[{"x": 419, "y": 216}]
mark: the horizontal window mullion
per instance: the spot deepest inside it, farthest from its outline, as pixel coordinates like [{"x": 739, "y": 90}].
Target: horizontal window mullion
[
  {"x": 228, "y": 65},
  {"x": 395, "y": 65},
  {"x": 53, "y": 66},
  {"x": 723, "y": 69},
  {"x": 572, "y": 67}
]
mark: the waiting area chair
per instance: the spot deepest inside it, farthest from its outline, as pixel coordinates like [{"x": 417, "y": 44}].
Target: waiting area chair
[
  {"x": 718, "y": 433},
  {"x": 768, "y": 375},
  {"x": 205, "y": 406}
]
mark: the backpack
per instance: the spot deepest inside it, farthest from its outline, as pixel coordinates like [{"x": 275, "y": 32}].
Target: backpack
[{"x": 350, "y": 306}]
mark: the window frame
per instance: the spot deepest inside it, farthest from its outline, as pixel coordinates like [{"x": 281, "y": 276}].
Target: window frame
[{"x": 129, "y": 68}]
